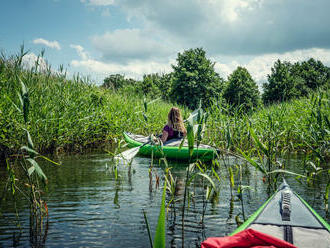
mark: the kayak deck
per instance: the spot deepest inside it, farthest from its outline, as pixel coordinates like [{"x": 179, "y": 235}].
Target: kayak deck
[
  {"x": 288, "y": 217},
  {"x": 170, "y": 149}
]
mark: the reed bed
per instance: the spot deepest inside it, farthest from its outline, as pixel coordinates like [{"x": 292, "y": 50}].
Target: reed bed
[
  {"x": 298, "y": 126},
  {"x": 73, "y": 114},
  {"x": 68, "y": 114},
  {"x": 64, "y": 114}
]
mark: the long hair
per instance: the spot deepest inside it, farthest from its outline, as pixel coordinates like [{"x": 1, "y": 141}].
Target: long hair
[{"x": 175, "y": 120}]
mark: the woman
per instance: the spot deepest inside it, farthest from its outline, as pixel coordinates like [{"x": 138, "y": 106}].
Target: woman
[{"x": 174, "y": 127}]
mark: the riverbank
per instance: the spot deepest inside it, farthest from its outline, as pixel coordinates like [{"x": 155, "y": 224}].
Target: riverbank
[
  {"x": 71, "y": 115},
  {"x": 68, "y": 115},
  {"x": 298, "y": 126}
]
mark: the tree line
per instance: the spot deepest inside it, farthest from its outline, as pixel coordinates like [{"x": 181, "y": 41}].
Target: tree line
[{"x": 193, "y": 79}]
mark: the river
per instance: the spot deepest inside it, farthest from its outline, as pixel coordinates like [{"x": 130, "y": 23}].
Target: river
[{"x": 90, "y": 206}]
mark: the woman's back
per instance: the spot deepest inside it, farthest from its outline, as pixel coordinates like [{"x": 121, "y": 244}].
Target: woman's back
[{"x": 174, "y": 127}]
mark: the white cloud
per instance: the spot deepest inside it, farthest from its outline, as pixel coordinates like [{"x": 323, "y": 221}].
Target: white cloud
[
  {"x": 99, "y": 2},
  {"x": 225, "y": 69},
  {"x": 231, "y": 11},
  {"x": 260, "y": 66},
  {"x": 248, "y": 33},
  {"x": 250, "y": 27},
  {"x": 51, "y": 44},
  {"x": 80, "y": 50},
  {"x": 30, "y": 59},
  {"x": 133, "y": 69},
  {"x": 126, "y": 45}
]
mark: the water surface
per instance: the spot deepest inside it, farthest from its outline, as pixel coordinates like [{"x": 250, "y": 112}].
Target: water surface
[{"x": 89, "y": 207}]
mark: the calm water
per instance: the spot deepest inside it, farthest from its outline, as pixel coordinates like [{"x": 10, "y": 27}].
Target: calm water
[{"x": 88, "y": 207}]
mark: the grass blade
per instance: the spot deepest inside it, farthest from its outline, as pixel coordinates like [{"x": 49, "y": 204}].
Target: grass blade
[
  {"x": 148, "y": 228},
  {"x": 37, "y": 169},
  {"x": 261, "y": 146},
  {"x": 208, "y": 178},
  {"x": 159, "y": 239},
  {"x": 252, "y": 162}
]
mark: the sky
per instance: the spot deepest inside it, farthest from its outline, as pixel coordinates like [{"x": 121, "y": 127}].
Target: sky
[{"x": 97, "y": 38}]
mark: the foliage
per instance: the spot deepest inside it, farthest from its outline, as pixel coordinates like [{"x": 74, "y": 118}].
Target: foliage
[
  {"x": 281, "y": 84},
  {"x": 72, "y": 115},
  {"x": 149, "y": 85},
  {"x": 67, "y": 114},
  {"x": 194, "y": 79},
  {"x": 288, "y": 81},
  {"x": 159, "y": 239},
  {"x": 28, "y": 173},
  {"x": 242, "y": 90},
  {"x": 164, "y": 85},
  {"x": 313, "y": 72},
  {"x": 156, "y": 85},
  {"x": 318, "y": 136},
  {"x": 294, "y": 126},
  {"x": 114, "y": 81},
  {"x": 152, "y": 85}
]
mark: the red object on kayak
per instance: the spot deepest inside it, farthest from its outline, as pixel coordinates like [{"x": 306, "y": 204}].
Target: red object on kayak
[{"x": 245, "y": 239}]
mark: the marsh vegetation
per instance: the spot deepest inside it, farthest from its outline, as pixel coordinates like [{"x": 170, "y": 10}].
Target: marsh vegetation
[{"x": 43, "y": 111}]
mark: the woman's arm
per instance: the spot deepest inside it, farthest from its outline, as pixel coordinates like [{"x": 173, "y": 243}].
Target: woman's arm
[{"x": 164, "y": 136}]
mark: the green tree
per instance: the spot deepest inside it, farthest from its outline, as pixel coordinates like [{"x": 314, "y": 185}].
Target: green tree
[
  {"x": 164, "y": 85},
  {"x": 281, "y": 84},
  {"x": 299, "y": 80},
  {"x": 313, "y": 72},
  {"x": 114, "y": 81},
  {"x": 194, "y": 79},
  {"x": 289, "y": 81},
  {"x": 242, "y": 90},
  {"x": 149, "y": 85}
]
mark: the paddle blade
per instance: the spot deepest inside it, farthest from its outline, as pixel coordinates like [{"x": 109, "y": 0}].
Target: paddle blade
[{"x": 128, "y": 154}]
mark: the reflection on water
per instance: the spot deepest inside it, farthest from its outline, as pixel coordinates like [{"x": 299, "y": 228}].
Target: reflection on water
[{"x": 89, "y": 207}]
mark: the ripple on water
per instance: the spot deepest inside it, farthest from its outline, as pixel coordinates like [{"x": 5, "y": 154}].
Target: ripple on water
[{"x": 89, "y": 207}]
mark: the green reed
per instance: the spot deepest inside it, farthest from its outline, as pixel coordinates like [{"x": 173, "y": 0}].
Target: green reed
[
  {"x": 74, "y": 114},
  {"x": 299, "y": 125},
  {"x": 26, "y": 177},
  {"x": 68, "y": 114},
  {"x": 64, "y": 114}
]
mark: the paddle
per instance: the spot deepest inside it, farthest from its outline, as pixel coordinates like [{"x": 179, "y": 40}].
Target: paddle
[
  {"x": 131, "y": 153},
  {"x": 128, "y": 154}
]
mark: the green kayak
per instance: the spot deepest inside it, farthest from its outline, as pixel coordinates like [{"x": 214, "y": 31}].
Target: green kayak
[
  {"x": 288, "y": 217},
  {"x": 170, "y": 149}
]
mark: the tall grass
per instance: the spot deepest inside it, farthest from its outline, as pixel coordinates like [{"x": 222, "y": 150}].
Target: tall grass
[
  {"x": 26, "y": 178},
  {"x": 72, "y": 114},
  {"x": 297, "y": 126},
  {"x": 68, "y": 114}
]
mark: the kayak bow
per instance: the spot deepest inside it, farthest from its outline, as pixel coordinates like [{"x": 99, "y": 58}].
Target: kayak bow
[{"x": 288, "y": 217}]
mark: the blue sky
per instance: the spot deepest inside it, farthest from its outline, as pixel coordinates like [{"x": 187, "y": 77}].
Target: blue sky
[{"x": 133, "y": 37}]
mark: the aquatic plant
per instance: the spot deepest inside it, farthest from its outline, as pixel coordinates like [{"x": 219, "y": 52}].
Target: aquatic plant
[
  {"x": 72, "y": 114},
  {"x": 160, "y": 234},
  {"x": 31, "y": 173}
]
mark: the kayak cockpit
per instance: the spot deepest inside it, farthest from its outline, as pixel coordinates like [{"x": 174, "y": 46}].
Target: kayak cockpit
[
  {"x": 299, "y": 236},
  {"x": 175, "y": 142},
  {"x": 171, "y": 149},
  {"x": 286, "y": 216}
]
